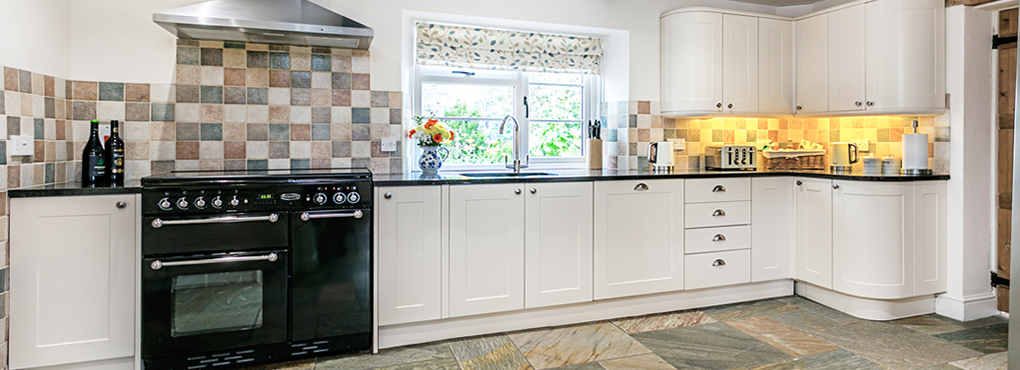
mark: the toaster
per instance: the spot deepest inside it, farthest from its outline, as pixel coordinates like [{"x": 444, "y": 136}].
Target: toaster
[{"x": 731, "y": 157}]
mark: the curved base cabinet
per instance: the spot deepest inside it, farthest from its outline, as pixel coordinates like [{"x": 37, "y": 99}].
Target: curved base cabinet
[{"x": 867, "y": 308}]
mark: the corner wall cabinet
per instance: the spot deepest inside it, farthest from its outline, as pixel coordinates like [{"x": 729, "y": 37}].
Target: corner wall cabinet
[{"x": 73, "y": 267}]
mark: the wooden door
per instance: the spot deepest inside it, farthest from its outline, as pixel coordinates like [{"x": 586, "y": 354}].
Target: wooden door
[
  {"x": 410, "y": 254},
  {"x": 691, "y": 61},
  {"x": 847, "y": 59},
  {"x": 740, "y": 64},
  {"x": 814, "y": 231},
  {"x": 1007, "y": 99},
  {"x": 486, "y": 248},
  {"x": 558, "y": 229},
  {"x": 812, "y": 64}
]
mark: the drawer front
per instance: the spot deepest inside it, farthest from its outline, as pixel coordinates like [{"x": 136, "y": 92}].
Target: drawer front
[
  {"x": 708, "y": 270},
  {"x": 717, "y": 190},
  {"x": 716, "y": 239},
  {"x": 717, "y": 214}
]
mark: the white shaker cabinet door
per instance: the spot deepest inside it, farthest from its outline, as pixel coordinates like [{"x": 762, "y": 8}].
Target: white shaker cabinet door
[
  {"x": 814, "y": 231},
  {"x": 692, "y": 62},
  {"x": 771, "y": 229},
  {"x": 847, "y": 37},
  {"x": 775, "y": 66},
  {"x": 559, "y": 243},
  {"x": 929, "y": 237},
  {"x": 408, "y": 230},
  {"x": 812, "y": 38},
  {"x": 872, "y": 239},
  {"x": 486, "y": 248},
  {"x": 740, "y": 64},
  {"x": 638, "y": 237},
  {"x": 73, "y": 269},
  {"x": 906, "y": 55}
]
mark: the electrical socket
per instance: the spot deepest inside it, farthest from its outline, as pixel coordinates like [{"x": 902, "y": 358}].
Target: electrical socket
[
  {"x": 389, "y": 145},
  {"x": 22, "y": 145},
  {"x": 679, "y": 144},
  {"x": 862, "y": 145}
]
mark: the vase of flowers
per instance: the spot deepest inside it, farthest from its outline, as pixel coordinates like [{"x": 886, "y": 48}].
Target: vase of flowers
[{"x": 431, "y": 135}]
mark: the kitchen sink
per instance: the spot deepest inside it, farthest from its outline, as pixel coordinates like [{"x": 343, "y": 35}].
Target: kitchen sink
[{"x": 506, "y": 174}]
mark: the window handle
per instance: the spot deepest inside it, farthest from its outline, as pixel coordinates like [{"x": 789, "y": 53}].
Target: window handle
[
  {"x": 465, "y": 73},
  {"x": 527, "y": 110}
]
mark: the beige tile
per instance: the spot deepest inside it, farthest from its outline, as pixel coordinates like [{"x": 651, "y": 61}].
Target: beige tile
[
  {"x": 189, "y": 75},
  {"x": 488, "y": 352},
  {"x": 576, "y": 344},
  {"x": 994, "y": 361},
  {"x": 669, "y": 320},
  {"x": 787, "y": 339},
  {"x": 212, "y": 76},
  {"x": 235, "y": 58}
]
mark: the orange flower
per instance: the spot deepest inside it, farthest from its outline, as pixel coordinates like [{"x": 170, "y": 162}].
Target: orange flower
[
  {"x": 430, "y": 123},
  {"x": 438, "y": 138},
  {"x": 409, "y": 134},
  {"x": 451, "y": 135}
]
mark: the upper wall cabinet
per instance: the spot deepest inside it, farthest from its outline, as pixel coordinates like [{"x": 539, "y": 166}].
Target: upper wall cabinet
[
  {"x": 775, "y": 66},
  {"x": 906, "y": 52},
  {"x": 691, "y": 63},
  {"x": 812, "y": 37},
  {"x": 846, "y": 60}
]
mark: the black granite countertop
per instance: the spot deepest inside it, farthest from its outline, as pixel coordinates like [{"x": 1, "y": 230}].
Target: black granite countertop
[
  {"x": 554, "y": 175},
  {"x": 73, "y": 188}
]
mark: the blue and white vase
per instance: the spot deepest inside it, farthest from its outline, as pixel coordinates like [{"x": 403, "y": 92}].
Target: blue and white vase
[{"x": 432, "y": 157}]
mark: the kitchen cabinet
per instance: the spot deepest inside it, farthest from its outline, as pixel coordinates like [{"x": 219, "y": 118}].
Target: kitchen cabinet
[
  {"x": 73, "y": 265},
  {"x": 408, "y": 231},
  {"x": 740, "y": 64},
  {"x": 717, "y": 236},
  {"x": 812, "y": 39},
  {"x": 486, "y": 234},
  {"x": 771, "y": 228},
  {"x": 813, "y": 202},
  {"x": 638, "y": 237},
  {"x": 692, "y": 62},
  {"x": 775, "y": 66},
  {"x": 846, "y": 59},
  {"x": 559, "y": 247},
  {"x": 906, "y": 56}
]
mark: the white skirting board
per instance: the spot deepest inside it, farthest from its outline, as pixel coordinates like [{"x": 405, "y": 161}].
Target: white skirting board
[
  {"x": 867, "y": 308},
  {"x": 124, "y": 363},
  {"x": 406, "y": 334}
]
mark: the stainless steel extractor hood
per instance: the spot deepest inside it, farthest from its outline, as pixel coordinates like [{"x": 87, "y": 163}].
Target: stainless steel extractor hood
[{"x": 290, "y": 22}]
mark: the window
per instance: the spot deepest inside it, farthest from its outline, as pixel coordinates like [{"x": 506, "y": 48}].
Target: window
[{"x": 552, "y": 110}]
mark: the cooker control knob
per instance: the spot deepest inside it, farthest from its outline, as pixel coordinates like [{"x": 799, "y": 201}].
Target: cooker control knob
[
  {"x": 164, "y": 204},
  {"x": 217, "y": 202},
  {"x": 353, "y": 197},
  {"x": 339, "y": 198},
  {"x": 320, "y": 198},
  {"x": 200, "y": 202},
  {"x": 234, "y": 202},
  {"x": 182, "y": 203}
]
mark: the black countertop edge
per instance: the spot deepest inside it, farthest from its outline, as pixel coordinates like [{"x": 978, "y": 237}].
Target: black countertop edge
[
  {"x": 75, "y": 188},
  {"x": 416, "y": 178}
]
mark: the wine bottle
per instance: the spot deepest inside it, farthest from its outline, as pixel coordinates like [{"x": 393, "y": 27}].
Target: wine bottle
[
  {"x": 114, "y": 156},
  {"x": 93, "y": 168}
]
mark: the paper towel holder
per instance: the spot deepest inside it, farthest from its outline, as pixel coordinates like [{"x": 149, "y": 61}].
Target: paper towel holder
[{"x": 916, "y": 171}]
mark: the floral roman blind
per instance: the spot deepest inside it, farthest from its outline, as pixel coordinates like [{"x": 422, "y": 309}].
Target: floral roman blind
[{"x": 482, "y": 48}]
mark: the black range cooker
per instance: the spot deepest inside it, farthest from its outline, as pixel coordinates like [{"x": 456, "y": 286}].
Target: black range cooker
[{"x": 248, "y": 267}]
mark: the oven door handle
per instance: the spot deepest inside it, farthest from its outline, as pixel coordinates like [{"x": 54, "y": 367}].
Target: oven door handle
[
  {"x": 158, "y": 223},
  {"x": 310, "y": 216},
  {"x": 157, "y": 264}
]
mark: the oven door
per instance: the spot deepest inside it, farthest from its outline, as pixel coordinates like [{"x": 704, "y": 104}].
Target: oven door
[{"x": 213, "y": 302}]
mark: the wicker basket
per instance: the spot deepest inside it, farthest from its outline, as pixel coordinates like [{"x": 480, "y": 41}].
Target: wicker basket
[{"x": 791, "y": 160}]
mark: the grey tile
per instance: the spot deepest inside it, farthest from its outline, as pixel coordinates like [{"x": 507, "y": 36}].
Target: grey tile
[
  {"x": 138, "y": 112},
  {"x": 748, "y": 309},
  {"x": 841, "y": 359},
  {"x": 301, "y": 97},
  {"x": 49, "y": 173},
  {"x": 361, "y": 115},
  {"x": 632, "y": 121},
  {"x": 39, "y": 126},
  {"x": 575, "y": 344},
  {"x": 161, "y": 167},
  {"x": 300, "y": 163},
  {"x": 361, "y": 162},
  {"x": 279, "y": 131},
  {"x": 188, "y": 131},
  {"x": 279, "y": 149},
  {"x": 234, "y": 45},
  {"x": 813, "y": 307},
  {"x": 50, "y": 108},
  {"x": 258, "y": 59},
  {"x": 235, "y": 164},
  {"x": 993, "y": 361},
  {"x": 300, "y": 80},
  {"x": 258, "y": 164},
  {"x": 341, "y": 81},
  {"x": 212, "y": 57},
  {"x": 488, "y": 352},
  {"x": 3, "y": 279},
  {"x": 212, "y": 94},
  {"x": 942, "y": 134},
  {"x": 188, "y": 55},
  {"x": 893, "y": 346},
  {"x": 13, "y": 126},
  {"x": 279, "y": 60},
  {"x": 929, "y": 324},
  {"x": 212, "y": 131},
  {"x": 321, "y": 132},
  {"x": 442, "y": 364},
  {"x": 985, "y": 339},
  {"x": 321, "y": 115},
  {"x": 25, "y": 79},
  {"x": 258, "y": 95},
  {"x": 111, "y": 91},
  {"x": 3, "y": 152},
  {"x": 709, "y": 346},
  {"x": 804, "y": 320},
  {"x": 3, "y": 104},
  {"x": 189, "y": 94},
  {"x": 162, "y": 112},
  {"x": 234, "y": 95},
  {"x": 396, "y": 165},
  {"x": 83, "y": 110},
  {"x": 388, "y": 357},
  {"x": 380, "y": 99},
  {"x": 341, "y": 149},
  {"x": 396, "y": 117},
  {"x": 361, "y": 133},
  {"x": 321, "y": 63},
  {"x": 257, "y": 132}
]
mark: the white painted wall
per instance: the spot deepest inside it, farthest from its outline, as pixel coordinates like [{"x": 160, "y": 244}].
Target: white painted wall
[{"x": 36, "y": 35}]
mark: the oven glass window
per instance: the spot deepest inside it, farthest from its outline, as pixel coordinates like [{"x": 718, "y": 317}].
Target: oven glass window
[{"x": 216, "y": 302}]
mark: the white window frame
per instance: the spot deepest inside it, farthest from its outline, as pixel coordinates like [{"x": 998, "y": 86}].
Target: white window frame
[{"x": 591, "y": 96}]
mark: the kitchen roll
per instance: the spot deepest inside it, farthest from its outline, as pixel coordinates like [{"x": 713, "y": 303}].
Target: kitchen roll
[{"x": 915, "y": 151}]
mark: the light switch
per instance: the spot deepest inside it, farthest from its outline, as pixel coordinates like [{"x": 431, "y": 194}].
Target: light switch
[
  {"x": 22, "y": 145},
  {"x": 389, "y": 145}
]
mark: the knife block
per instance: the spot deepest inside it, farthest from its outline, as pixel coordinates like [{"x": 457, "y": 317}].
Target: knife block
[{"x": 594, "y": 154}]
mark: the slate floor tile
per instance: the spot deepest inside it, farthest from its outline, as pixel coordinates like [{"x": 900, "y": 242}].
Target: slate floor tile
[
  {"x": 489, "y": 352},
  {"x": 441, "y": 364},
  {"x": 993, "y": 361},
  {"x": 587, "y": 366},
  {"x": 669, "y": 320},
  {"x": 749, "y": 309},
  {"x": 985, "y": 339},
  {"x": 709, "y": 346},
  {"x": 804, "y": 320},
  {"x": 819, "y": 309},
  {"x": 294, "y": 365},
  {"x": 785, "y": 338},
  {"x": 575, "y": 344},
  {"x": 644, "y": 362},
  {"x": 929, "y": 324},
  {"x": 841, "y": 359},
  {"x": 387, "y": 357},
  {"x": 893, "y": 346}
]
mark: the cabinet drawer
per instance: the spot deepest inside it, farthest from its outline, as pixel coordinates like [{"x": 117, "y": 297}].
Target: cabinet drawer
[
  {"x": 708, "y": 270},
  {"x": 717, "y": 190},
  {"x": 717, "y": 214},
  {"x": 715, "y": 239}
]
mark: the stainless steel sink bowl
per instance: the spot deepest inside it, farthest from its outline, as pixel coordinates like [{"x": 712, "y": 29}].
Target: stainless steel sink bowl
[{"x": 506, "y": 174}]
